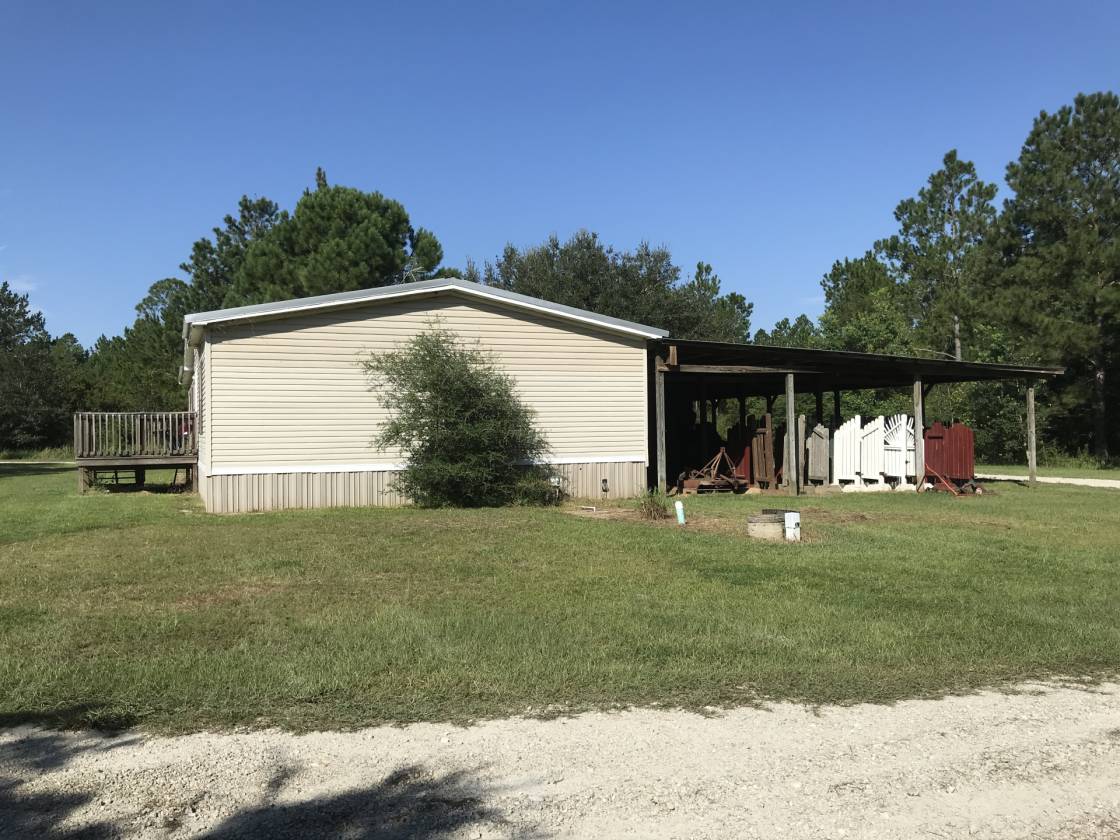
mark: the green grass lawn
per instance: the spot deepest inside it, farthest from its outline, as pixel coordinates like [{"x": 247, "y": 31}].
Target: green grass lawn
[
  {"x": 1062, "y": 472},
  {"x": 50, "y": 453},
  {"x": 127, "y": 608}
]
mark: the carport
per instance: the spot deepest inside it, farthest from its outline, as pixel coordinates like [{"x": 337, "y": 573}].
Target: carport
[{"x": 691, "y": 375}]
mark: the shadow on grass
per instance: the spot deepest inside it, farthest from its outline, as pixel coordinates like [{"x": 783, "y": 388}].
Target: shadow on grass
[
  {"x": 78, "y": 716},
  {"x": 31, "y": 468},
  {"x": 150, "y": 487}
]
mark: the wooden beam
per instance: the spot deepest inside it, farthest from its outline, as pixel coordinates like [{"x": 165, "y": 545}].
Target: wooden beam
[
  {"x": 127, "y": 462},
  {"x": 919, "y": 436},
  {"x": 662, "y": 461},
  {"x": 1032, "y": 454},
  {"x": 778, "y": 371},
  {"x": 790, "y": 469}
]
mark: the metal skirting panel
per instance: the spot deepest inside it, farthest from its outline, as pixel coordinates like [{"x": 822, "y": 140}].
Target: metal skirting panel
[
  {"x": 280, "y": 491},
  {"x": 625, "y": 479},
  {"x": 255, "y": 492}
]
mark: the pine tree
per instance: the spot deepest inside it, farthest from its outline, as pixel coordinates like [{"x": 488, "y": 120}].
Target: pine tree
[{"x": 1062, "y": 250}]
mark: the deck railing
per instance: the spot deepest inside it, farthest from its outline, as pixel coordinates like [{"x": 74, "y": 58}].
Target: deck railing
[{"x": 135, "y": 434}]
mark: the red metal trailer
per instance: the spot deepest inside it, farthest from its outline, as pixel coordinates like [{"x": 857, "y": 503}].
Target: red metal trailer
[{"x": 950, "y": 455}]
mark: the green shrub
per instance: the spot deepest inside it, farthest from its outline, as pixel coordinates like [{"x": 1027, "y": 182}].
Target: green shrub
[
  {"x": 468, "y": 439},
  {"x": 1050, "y": 455}
]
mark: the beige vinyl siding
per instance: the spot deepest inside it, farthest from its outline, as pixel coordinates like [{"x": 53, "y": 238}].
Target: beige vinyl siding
[{"x": 290, "y": 391}]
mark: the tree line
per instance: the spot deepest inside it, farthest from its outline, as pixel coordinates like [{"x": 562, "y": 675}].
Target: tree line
[{"x": 1036, "y": 280}]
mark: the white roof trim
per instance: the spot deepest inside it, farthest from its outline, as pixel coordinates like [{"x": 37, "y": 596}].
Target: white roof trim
[{"x": 421, "y": 287}]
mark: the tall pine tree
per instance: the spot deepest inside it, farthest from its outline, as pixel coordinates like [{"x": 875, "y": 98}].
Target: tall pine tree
[{"x": 1062, "y": 252}]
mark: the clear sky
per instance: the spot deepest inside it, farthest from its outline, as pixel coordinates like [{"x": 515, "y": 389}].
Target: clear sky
[{"x": 768, "y": 140}]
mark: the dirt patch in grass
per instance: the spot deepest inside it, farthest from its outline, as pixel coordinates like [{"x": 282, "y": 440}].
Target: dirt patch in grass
[
  {"x": 835, "y": 517},
  {"x": 696, "y": 521},
  {"x": 226, "y": 595}
]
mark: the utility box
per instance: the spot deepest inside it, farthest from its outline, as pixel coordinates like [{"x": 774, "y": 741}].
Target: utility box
[{"x": 775, "y": 525}]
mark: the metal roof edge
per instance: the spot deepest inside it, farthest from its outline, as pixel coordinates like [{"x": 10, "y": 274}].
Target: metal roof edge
[
  {"x": 857, "y": 355},
  {"x": 343, "y": 299}
]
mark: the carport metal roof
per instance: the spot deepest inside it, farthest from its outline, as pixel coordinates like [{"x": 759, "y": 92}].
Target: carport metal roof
[{"x": 757, "y": 370}]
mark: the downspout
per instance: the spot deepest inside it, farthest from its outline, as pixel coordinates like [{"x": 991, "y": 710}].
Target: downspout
[{"x": 192, "y": 338}]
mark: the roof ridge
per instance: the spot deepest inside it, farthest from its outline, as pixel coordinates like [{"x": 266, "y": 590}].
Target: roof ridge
[{"x": 358, "y": 296}]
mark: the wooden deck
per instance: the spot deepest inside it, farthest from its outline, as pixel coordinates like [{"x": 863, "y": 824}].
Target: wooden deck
[{"x": 134, "y": 441}]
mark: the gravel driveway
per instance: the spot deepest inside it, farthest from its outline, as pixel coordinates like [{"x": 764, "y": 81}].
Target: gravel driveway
[{"x": 1041, "y": 762}]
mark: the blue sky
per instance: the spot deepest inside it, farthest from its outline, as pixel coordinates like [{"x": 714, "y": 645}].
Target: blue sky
[{"x": 768, "y": 140}]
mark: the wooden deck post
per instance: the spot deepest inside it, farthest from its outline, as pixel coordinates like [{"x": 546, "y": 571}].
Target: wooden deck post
[
  {"x": 1032, "y": 454},
  {"x": 835, "y": 409},
  {"x": 662, "y": 462},
  {"x": 790, "y": 471},
  {"x": 919, "y": 436}
]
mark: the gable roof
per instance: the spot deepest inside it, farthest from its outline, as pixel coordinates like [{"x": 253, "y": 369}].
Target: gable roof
[{"x": 195, "y": 323}]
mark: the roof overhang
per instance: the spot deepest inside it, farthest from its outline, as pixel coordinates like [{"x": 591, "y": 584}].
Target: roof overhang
[
  {"x": 194, "y": 325},
  {"x": 758, "y": 370}
]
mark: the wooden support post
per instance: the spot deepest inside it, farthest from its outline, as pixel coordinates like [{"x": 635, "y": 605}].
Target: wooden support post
[
  {"x": 83, "y": 479},
  {"x": 801, "y": 433},
  {"x": 743, "y": 414},
  {"x": 820, "y": 406},
  {"x": 835, "y": 409},
  {"x": 770, "y": 403},
  {"x": 662, "y": 462},
  {"x": 919, "y": 436},
  {"x": 790, "y": 470},
  {"x": 703, "y": 425},
  {"x": 1032, "y": 454}
]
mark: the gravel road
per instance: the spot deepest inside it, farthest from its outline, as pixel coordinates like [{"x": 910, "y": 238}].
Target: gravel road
[{"x": 1042, "y": 762}]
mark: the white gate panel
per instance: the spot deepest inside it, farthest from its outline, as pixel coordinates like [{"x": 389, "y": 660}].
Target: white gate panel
[
  {"x": 818, "y": 454},
  {"x": 846, "y": 451},
  {"x": 871, "y": 451},
  {"x": 898, "y": 440}
]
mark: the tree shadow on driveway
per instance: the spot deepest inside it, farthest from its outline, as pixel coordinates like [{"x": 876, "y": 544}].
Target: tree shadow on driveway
[
  {"x": 411, "y": 802},
  {"x": 33, "y": 752}
]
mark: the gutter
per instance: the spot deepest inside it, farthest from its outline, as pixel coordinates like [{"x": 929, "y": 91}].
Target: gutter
[{"x": 192, "y": 338}]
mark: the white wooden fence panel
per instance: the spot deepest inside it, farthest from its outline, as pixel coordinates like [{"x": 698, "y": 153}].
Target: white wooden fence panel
[
  {"x": 846, "y": 451},
  {"x": 871, "y": 451},
  {"x": 898, "y": 441}
]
